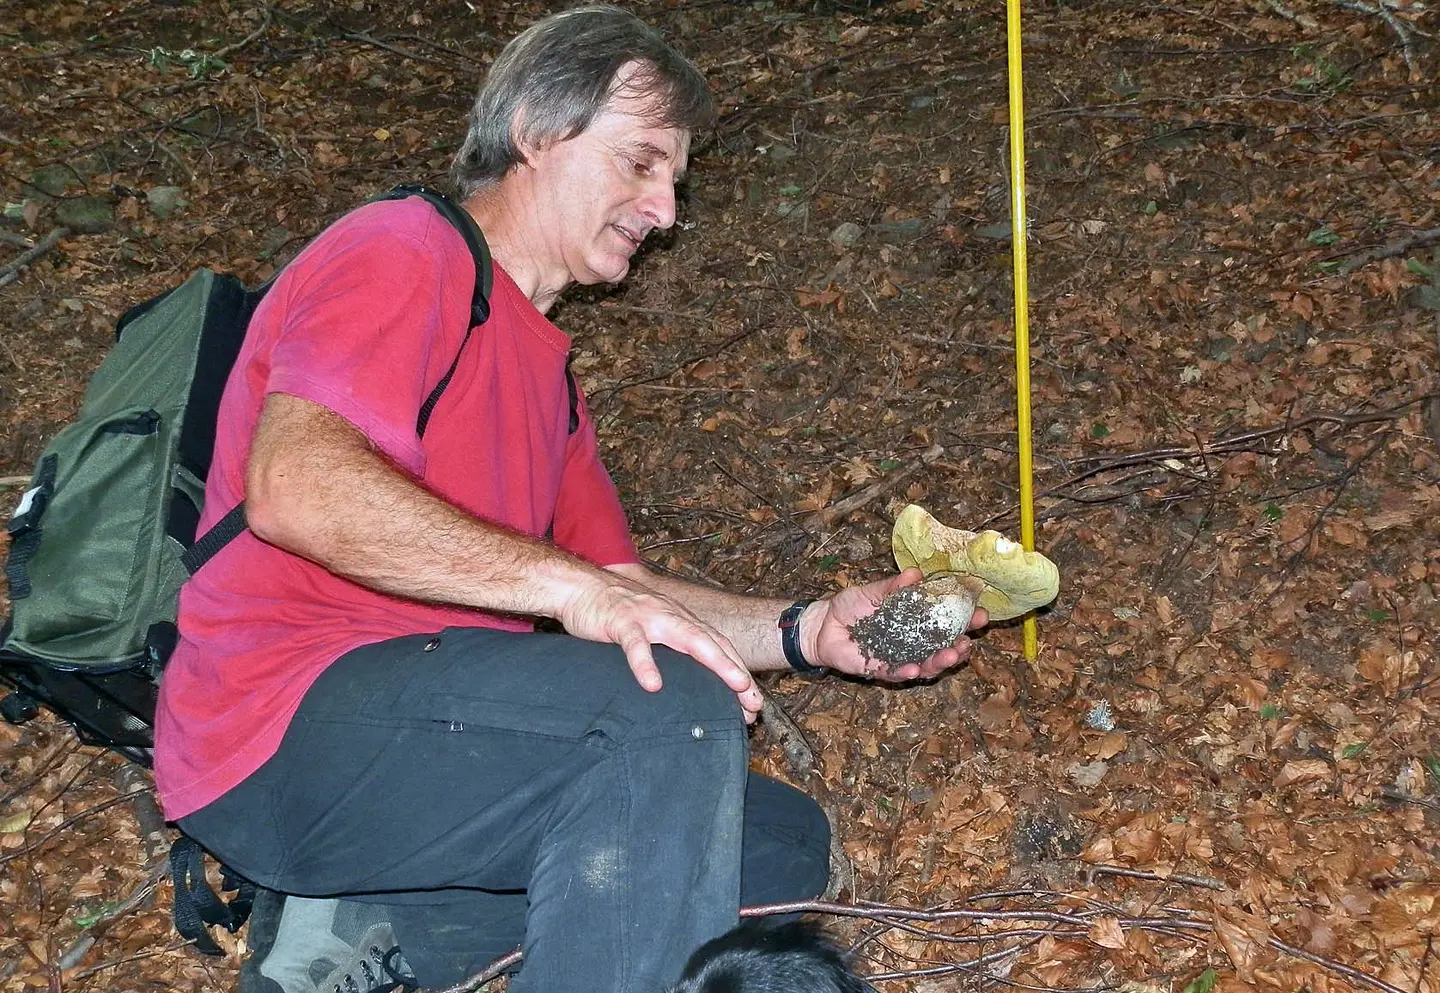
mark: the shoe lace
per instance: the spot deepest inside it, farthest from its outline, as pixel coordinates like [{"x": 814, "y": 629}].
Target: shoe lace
[{"x": 388, "y": 961}]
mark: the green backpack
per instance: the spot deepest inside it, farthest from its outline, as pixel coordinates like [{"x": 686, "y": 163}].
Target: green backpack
[{"x": 105, "y": 535}]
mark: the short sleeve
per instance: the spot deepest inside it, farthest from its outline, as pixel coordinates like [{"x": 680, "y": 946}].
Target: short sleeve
[
  {"x": 589, "y": 519},
  {"x": 374, "y": 312}
]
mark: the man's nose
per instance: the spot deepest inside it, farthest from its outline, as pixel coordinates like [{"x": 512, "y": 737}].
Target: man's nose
[{"x": 658, "y": 206}]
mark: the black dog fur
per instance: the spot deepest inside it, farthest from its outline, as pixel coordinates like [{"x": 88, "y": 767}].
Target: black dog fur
[{"x": 762, "y": 958}]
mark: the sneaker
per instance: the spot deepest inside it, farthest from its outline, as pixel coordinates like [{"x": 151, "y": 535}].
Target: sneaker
[{"x": 304, "y": 945}]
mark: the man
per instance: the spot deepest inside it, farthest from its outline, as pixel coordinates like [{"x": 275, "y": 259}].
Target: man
[{"x": 360, "y": 706}]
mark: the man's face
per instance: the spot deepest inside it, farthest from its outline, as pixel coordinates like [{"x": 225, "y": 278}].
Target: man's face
[{"x": 600, "y": 193}]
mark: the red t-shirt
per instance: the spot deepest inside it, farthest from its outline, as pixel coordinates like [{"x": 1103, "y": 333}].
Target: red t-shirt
[{"x": 365, "y": 322}]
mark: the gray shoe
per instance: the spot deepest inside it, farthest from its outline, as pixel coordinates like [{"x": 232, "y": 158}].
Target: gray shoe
[{"x": 304, "y": 945}]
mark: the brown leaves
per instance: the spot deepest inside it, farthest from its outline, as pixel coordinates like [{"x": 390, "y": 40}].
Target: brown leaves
[
  {"x": 1107, "y": 933},
  {"x": 1302, "y": 771},
  {"x": 1245, "y": 939}
]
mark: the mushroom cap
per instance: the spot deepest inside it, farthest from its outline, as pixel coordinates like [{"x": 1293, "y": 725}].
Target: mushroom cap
[{"x": 1016, "y": 581}]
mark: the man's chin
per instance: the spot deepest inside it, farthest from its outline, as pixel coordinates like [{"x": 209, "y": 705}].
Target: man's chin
[{"x": 612, "y": 271}]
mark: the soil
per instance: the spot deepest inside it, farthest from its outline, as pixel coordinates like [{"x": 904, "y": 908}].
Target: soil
[
  {"x": 1233, "y": 296},
  {"x": 910, "y": 625}
]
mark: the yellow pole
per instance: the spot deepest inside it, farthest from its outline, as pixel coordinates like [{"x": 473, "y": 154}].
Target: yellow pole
[{"x": 1022, "y": 297}]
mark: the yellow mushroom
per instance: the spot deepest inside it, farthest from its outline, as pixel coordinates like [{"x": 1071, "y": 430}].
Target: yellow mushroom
[
  {"x": 1014, "y": 581},
  {"x": 961, "y": 569}
]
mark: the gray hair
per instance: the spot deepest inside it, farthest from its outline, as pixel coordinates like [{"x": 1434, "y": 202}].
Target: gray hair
[{"x": 560, "y": 72}]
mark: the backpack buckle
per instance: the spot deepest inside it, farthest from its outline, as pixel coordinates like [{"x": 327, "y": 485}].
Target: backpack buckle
[{"x": 27, "y": 514}]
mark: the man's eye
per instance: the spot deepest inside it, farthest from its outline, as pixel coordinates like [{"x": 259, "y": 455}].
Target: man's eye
[{"x": 639, "y": 168}]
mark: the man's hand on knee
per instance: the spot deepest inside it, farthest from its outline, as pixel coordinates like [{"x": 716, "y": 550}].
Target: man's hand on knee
[{"x": 623, "y": 612}]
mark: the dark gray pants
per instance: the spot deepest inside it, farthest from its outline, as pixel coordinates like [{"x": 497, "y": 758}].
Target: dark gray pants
[{"x": 497, "y": 788}]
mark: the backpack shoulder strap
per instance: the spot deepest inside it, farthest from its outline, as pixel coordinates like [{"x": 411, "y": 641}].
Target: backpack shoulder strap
[{"x": 462, "y": 222}]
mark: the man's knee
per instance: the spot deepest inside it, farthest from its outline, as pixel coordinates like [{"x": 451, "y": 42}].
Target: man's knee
[
  {"x": 691, "y": 695},
  {"x": 786, "y": 844}
]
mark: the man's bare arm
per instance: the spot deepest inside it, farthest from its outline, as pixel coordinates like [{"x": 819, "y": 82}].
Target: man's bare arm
[{"x": 317, "y": 488}]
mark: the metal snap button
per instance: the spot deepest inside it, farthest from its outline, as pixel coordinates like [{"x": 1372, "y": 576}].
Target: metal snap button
[
  {"x": 697, "y": 732},
  {"x": 432, "y": 644}
]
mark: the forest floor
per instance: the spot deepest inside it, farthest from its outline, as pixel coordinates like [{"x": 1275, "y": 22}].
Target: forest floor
[{"x": 1224, "y": 764}]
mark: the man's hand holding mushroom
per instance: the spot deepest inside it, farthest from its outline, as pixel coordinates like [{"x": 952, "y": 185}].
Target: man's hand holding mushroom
[{"x": 826, "y": 639}]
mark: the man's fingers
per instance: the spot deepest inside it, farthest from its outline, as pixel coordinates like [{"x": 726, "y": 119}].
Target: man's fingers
[
  {"x": 642, "y": 661},
  {"x": 979, "y": 619}
]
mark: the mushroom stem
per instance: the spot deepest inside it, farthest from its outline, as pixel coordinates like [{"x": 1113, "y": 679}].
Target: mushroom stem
[{"x": 954, "y": 597}]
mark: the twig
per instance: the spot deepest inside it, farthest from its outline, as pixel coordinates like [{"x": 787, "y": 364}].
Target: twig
[
  {"x": 1334, "y": 966},
  {"x": 12, "y": 271},
  {"x": 8, "y": 481},
  {"x": 484, "y": 976},
  {"x": 130, "y": 779},
  {"x": 15, "y": 239},
  {"x": 1208, "y": 882},
  {"x": 1420, "y": 239},
  {"x": 1396, "y": 796},
  {"x": 1304, "y": 20},
  {"x": 1245, "y": 442},
  {"x": 1382, "y": 10},
  {"x": 798, "y": 753},
  {"x": 821, "y": 519},
  {"x": 264, "y": 26},
  {"x": 60, "y": 751},
  {"x": 366, "y": 39},
  {"x": 129, "y": 958},
  {"x": 113, "y": 801},
  {"x": 140, "y": 896}
]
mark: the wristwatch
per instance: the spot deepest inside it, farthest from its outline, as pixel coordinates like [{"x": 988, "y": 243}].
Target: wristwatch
[{"x": 790, "y": 638}]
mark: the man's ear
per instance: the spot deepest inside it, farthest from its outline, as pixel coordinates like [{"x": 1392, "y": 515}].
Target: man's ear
[{"x": 527, "y": 148}]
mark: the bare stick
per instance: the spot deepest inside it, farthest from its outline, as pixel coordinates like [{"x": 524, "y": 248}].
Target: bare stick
[
  {"x": 485, "y": 975},
  {"x": 798, "y": 753},
  {"x": 264, "y": 26},
  {"x": 1304, "y": 20},
  {"x": 12, "y": 271},
  {"x": 131, "y": 780},
  {"x": 113, "y": 801},
  {"x": 1420, "y": 239},
  {"x": 129, "y": 958},
  {"x": 365, "y": 39},
  {"x": 1382, "y": 10},
  {"x": 1208, "y": 882},
  {"x": 15, "y": 239},
  {"x": 850, "y": 504},
  {"x": 1432, "y": 409}
]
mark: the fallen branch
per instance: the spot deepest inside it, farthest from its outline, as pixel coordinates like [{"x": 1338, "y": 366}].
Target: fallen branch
[
  {"x": 1170, "y": 459},
  {"x": 264, "y": 26},
  {"x": 1208, "y": 882},
  {"x": 141, "y": 896},
  {"x": 1420, "y": 239},
  {"x": 12, "y": 271},
  {"x": 1382, "y": 9},
  {"x": 131, "y": 780},
  {"x": 843, "y": 508},
  {"x": 491, "y": 971},
  {"x": 91, "y": 812},
  {"x": 366, "y": 39},
  {"x": 1304, "y": 20},
  {"x": 798, "y": 753}
]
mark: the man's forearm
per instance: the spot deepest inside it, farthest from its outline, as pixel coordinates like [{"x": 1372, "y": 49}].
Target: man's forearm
[
  {"x": 749, "y": 622},
  {"x": 343, "y": 506}
]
